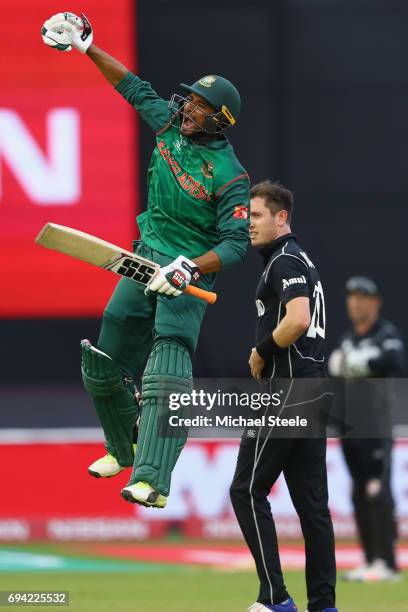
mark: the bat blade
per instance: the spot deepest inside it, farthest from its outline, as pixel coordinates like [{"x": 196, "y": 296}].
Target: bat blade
[
  {"x": 103, "y": 254},
  {"x": 96, "y": 251}
]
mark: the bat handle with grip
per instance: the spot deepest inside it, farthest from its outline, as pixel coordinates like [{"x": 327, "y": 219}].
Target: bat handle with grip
[{"x": 208, "y": 296}]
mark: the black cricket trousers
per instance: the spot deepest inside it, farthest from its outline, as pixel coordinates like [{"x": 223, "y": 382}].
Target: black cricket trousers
[
  {"x": 369, "y": 459},
  {"x": 303, "y": 463}
]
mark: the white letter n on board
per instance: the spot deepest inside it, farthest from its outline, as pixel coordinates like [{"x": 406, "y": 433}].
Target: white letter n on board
[{"x": 47, "y": 178}]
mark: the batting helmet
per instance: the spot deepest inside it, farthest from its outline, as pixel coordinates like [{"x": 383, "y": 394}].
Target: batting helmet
[
  {"x": 221, "y": 94},
  {"x": 218, "y": 92}
]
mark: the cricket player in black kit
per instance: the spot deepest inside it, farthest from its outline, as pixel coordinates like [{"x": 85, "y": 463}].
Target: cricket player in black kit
[
  {"x": 289, "y": 344},
  {"x": 371, "y": 348}
]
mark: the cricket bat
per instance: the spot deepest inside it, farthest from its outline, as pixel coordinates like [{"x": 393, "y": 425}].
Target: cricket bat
[{"x": 106, "y": 255}]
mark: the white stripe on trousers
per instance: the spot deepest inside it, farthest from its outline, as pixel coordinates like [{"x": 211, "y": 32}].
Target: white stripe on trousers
[{"x": 256, "y": 461}]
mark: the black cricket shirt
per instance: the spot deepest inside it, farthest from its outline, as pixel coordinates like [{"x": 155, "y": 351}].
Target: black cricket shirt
[
  {"x": 289, "y": 273},
  {"x": 386, "y": 338}
]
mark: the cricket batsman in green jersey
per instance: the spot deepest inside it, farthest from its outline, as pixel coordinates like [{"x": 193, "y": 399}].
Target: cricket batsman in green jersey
[{"x": 196, "y": 224}]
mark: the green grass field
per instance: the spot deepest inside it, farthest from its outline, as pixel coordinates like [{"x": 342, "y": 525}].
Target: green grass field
[
  {"x": 191, "y": 591},
  {"x": 143, "y": 587}
]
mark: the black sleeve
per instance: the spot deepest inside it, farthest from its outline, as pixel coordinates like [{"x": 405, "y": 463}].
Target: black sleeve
[
  {"x": 391, "y": 359},
  {"x": 288, "y": 277},
  {"x": 344, "y": 336}
]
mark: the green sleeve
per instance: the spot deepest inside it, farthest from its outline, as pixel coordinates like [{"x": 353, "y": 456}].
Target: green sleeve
[
  {"x": 232, "y": 220},
  {"x": 140, "y": 94}
]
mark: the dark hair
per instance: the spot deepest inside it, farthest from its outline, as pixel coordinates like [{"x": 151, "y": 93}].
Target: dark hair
[{"x": 276, "y": 197}]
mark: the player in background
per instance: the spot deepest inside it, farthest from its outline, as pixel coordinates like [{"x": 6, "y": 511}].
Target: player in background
[
  {"x": 195, "y": 225},
  {"x": 289, "y": 345},
  {"x": 372, "y": 347}
]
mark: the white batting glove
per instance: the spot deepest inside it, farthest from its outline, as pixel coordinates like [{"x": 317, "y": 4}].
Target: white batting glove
[
  {"x": 174, "y": 278},
  {"x": 66, "y": 30},
  {"x": 335, "y": 365},
  {"x": 356, "y": 362}
]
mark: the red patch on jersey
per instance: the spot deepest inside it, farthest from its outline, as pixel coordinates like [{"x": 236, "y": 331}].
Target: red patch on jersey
[{"x": 240, "y": 212}]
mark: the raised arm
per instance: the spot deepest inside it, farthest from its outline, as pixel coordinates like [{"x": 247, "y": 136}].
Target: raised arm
[
  {"x": 111, "y": 69},
  {"x": 66, "y": 30}
]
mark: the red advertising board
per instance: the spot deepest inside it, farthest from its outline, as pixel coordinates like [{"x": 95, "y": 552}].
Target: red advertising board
[
  {"x": 67, "y": 155},
  {"x": 57, "y": 499}
]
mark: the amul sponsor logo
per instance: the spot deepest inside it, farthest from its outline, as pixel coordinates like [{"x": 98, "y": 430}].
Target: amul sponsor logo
[{"x": 287, "y": 282}]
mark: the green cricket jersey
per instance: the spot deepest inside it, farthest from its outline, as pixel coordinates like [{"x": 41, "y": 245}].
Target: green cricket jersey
[{"x": 198, "y": 195}]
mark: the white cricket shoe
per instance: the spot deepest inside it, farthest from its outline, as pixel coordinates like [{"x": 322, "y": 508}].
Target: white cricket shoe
[
  {"x": 144, "y": 494},
  {"x": 357, "y": 574},
  {"x": 105, "y": 467},
  {"x": 377, "y": 571},
  {"x": 286, "y": 606}
]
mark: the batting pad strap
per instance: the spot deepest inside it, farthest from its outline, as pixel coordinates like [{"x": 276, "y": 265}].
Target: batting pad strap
[
  {"x": 170, "y": 358},
  {"x": 161, "y": 387},
  {"x": 114, "y": 404}
]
